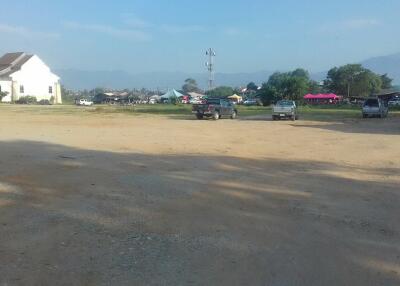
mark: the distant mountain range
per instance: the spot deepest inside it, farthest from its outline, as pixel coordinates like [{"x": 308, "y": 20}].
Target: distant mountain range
[
  {"x": 386, "y": 64},
  {"x": 80, "y": 79}
]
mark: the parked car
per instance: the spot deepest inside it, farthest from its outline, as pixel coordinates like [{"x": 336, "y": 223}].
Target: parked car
[
  {"x": 195, "y": 101},
  {"x": 215, "y": 108},
  {"x": 285, "y": 109},
  {"x": 250, "y": 102},
  {"x": 394, "y": 102},
  {"x": 375, "y": 107},
  {"x": 85, "y": 102}
]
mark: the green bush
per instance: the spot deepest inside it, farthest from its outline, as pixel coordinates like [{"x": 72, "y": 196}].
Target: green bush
[
  {"x": 45, "y": 102},
  {"x": 27, "y": 100},
  {"x": 3, "y": 94},
  {"x": 173, "y": 100}
]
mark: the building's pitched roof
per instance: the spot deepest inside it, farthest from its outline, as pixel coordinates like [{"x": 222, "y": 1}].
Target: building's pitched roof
[
  {"x": 389, "y": 91},
  {"x": 12, "y": 62},
  {"x": 9, "y": 58}
]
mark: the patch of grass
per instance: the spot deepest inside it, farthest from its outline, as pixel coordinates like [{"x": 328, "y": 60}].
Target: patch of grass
[
  {"x": 318, "y": 113},
  {"x": 158, "y": 109},
  {"x": 253, "y": 110},
  {"x": 326, "y": 113},
  {"x": 164, "y": 109},
  {"x": 169, "y": 109},
  {"x": 112, "y": 109}
]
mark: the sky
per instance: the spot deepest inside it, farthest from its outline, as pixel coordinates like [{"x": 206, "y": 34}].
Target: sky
[{"x": 172, "y": 35}]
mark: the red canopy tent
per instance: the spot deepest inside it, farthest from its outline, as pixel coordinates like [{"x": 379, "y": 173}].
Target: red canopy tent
[{"x": 321, "y": 98}]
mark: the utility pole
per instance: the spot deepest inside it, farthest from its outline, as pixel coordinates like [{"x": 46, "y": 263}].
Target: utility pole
[
  {"x": 348, "y": 89},
  {"x": 210, "y": 67},
  {"x": 350, "y": 82}
]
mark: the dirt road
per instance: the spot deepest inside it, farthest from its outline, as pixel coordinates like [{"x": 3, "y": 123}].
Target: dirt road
[{"x": 147, "y": 200}]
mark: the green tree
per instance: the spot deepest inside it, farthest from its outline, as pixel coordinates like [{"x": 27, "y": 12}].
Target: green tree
[
  {"x": 221, "y": 92},
  {"x": 190, "y": 86},
  {"x": 99, "y": 98},
  {"x": 98, "y": 90},
  {"x": 352, "y": 80},
  {"x": 173, "y": 100},
  {"x": 314, "y": 87},
  {"x": 291, "y": 85},
  {"x": 68, "y": 96},
  {"x": 252, "y": 87},
  {"x": 386, "y": 81},
  {"x": 3, "y": 94},
  {"x": 300, "y": 73},
  {"x": 269, "y": 94}
]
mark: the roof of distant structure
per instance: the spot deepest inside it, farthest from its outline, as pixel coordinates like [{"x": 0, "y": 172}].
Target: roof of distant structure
[
  {"x": 172, "y": 93},
  {"x": 12, "y": 62}
]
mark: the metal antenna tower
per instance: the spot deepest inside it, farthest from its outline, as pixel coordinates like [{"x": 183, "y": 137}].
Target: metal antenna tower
[{"x": 210, "y": 67}]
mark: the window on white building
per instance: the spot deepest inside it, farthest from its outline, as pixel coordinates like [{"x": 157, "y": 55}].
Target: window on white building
[
  {"x": 50, "y": 89},
  {"x": 21, "y": 89}
]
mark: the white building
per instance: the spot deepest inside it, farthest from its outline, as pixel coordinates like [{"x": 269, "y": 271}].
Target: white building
[{"x": 23, "y": 75}]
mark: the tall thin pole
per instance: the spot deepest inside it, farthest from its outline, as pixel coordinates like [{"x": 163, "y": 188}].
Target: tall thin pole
[
  {"x": 348, "y": 89},
  {"x": 210, "y": 67}
]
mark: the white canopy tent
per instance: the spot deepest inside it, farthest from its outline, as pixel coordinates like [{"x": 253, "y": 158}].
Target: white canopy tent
[{"x": 172, "y": 93}]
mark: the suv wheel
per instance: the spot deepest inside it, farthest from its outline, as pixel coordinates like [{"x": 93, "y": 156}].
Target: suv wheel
[{"x": 216, "y": 115}]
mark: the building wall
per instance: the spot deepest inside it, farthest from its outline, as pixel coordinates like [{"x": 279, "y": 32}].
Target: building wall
[
  {"x": 6, "y": 86},
  {"x": 36, "y": 79},
  {"x": 58, "y": 96}
]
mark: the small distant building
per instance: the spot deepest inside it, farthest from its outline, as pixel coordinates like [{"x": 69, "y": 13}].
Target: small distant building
[
  {"x": 323, "y": 98},
  {"x": 387, "y": 94},
  {"x": 22, "y": 75},
  {"x": 155, "y": 98},
  {"x": 236, "y": 98}
]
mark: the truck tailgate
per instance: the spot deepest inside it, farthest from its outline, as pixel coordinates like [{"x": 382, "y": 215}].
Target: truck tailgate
[
  {"x": 280, "y": 109},
  {"x": 201, "y": 108}
]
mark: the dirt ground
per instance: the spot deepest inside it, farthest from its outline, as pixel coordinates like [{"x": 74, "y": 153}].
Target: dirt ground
[{"x": 114, "y": 199}]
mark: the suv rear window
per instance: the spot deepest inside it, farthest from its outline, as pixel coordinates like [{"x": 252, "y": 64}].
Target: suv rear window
[
  {"x": 372, "y": 103},
  {"x": 215, "y": 101},
  {"x": 284, "y": 103}
]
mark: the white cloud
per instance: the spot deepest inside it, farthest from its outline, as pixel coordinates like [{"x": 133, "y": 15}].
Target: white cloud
[
  {"x": 232, "y": 32},
  {"x": 349, "y": 25},
  {"x": 129, "y": 34},
  {"x": 133, "y": 21},
  {"x": 25, "y": 32},
  {"x": 175, "y": 29},
  {"x": 356, "y": 24}
]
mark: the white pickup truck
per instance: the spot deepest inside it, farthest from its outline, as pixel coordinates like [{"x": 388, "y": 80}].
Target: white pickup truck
[
  {"x": 285, "y": 109},
  {"x": 85, "y": 102}
]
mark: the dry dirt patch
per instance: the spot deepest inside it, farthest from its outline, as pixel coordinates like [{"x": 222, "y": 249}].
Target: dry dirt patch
[{"x": 150, "y": 200}]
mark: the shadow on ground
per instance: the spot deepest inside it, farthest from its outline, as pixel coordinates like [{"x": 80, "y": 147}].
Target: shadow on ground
[
  {"x": 386, "y": 126},
  {"x": 80, "y": 217}
]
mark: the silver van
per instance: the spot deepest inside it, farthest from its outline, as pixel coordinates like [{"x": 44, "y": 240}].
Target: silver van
[{"x": 375, "y": 107}]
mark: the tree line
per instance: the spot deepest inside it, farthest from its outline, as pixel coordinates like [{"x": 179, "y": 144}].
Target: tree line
[{"x": 351, "y": 80}]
